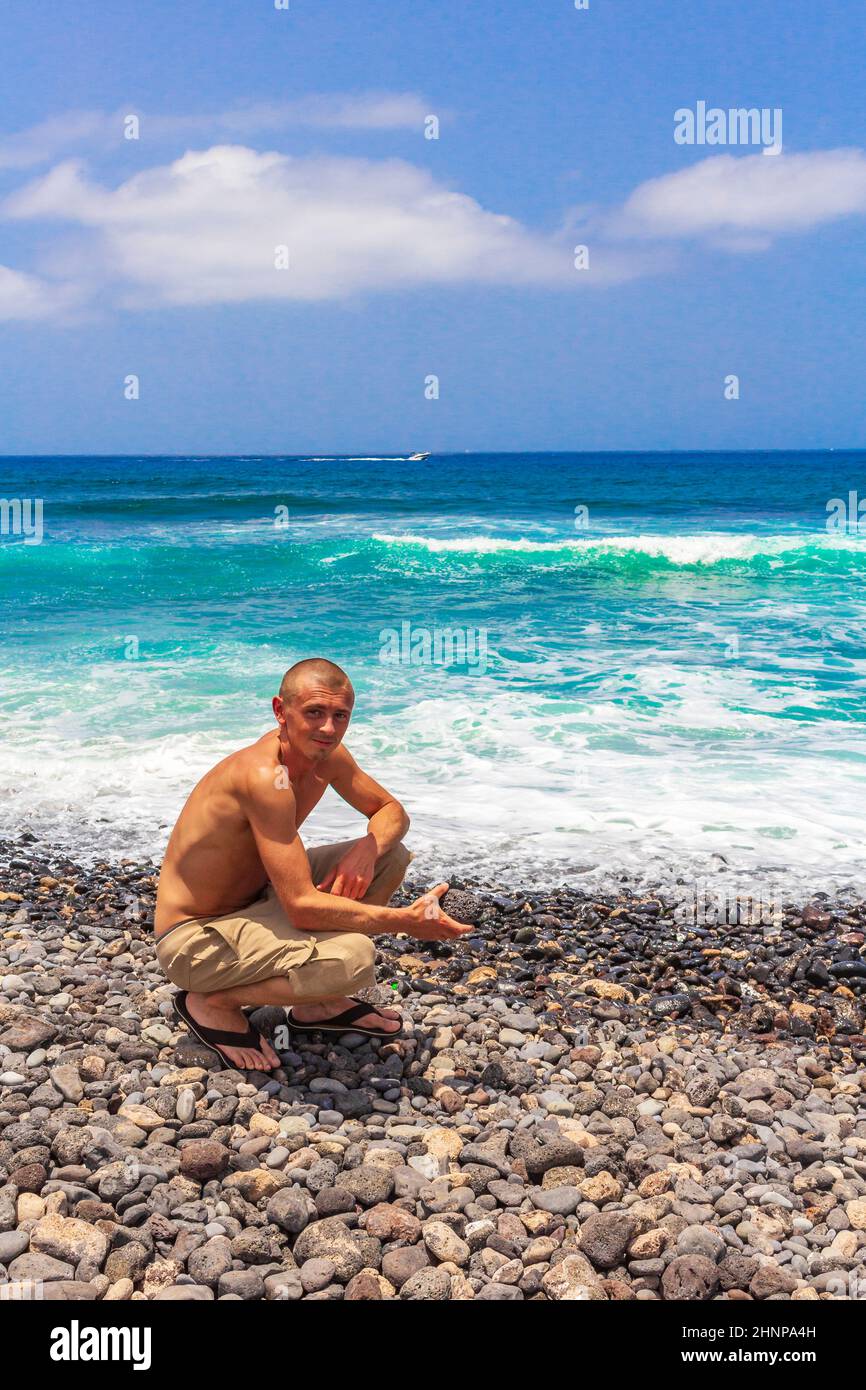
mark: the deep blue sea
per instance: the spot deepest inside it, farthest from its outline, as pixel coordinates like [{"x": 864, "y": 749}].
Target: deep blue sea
[{"x": 570, "y": 667}]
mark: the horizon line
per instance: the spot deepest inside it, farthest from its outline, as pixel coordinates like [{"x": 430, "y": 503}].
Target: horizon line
[{"x": 460, "y": 453}]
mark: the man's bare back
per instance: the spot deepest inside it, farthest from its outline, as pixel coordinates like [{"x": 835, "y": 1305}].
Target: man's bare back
[{"x": 212, "y": 864}]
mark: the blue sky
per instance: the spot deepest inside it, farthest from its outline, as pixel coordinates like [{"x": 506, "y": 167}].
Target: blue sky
[{"x": 411, "y": 257}]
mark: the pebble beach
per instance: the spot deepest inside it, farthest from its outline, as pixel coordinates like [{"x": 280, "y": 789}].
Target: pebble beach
[{"x": 591, "y": 1099}]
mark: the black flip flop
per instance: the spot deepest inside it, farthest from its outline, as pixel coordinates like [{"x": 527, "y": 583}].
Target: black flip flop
[
  {"x": 216, "y": 1037},
  {"x": 344, "y": 1022}
]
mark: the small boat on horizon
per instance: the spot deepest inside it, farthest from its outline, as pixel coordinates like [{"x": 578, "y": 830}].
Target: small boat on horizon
[{"x": 418, "y": 458}]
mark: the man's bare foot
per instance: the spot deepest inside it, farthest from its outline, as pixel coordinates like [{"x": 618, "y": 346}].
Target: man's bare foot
[
  {"x": 329, "y": 1008},
  {"x": 230, "y": 1019}
]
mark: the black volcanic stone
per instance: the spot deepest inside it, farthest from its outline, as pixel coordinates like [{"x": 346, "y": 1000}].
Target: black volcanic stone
[{"x": 462, "y": 906}]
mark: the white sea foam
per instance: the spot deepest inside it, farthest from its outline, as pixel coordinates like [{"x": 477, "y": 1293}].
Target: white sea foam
[
  {"x": 705, "y": 548},
  {"x": 503, "y": 786}
]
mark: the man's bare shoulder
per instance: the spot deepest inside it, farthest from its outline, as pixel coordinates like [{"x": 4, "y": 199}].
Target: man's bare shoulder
[{"x": 258, "y": 772}]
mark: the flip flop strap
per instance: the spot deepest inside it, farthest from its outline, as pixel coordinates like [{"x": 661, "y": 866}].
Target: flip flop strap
[
  {"x": 356, "y": 1011},
  {"x": 251, "y": 1038}
]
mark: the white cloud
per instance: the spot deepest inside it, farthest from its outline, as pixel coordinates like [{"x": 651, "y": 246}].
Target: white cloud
[
  {"x": 77, "y": 130},
  {"x": 25, "y": 296},
  {"x": 205, "y": 228},
  {"x": 746, "y": 200},
  {"x": 43, "y": 142}
]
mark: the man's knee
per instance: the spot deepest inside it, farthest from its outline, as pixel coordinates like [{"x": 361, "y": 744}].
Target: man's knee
[
  {"x": 389, "y": 874},
  {"x": 356, "y": 968},
  {"x": 363, "y": 955},
  {"x": 347, "y": 964},
  {"x": 394, "y": 862}
]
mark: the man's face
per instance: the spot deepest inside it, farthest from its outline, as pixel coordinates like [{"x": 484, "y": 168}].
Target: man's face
[{"x": 316, "y": 720}]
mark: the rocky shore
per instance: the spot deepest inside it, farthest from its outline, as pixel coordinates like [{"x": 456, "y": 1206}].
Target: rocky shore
[{"x": 593, "y": 1098}]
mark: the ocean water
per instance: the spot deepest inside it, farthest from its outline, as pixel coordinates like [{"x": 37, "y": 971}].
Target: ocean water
[{"x": 666, "y": 685}]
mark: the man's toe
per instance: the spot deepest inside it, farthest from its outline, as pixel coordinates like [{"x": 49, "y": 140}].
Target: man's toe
[{"x": 383, "y": 1020}]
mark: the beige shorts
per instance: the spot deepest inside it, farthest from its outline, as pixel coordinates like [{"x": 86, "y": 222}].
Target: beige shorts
[{"x": 255, "y": 943}]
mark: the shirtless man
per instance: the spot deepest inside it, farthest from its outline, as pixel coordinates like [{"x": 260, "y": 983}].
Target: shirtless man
[{"x": 246, "y": 916}]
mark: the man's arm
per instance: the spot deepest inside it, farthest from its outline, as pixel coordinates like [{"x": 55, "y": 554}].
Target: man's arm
[
  {"x": 387, "y": 823},
  {"x": 271, "y": 813},
  {"x": 387, "y": 820}
]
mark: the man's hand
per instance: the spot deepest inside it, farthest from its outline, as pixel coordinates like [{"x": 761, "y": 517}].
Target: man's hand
[
  {"x": 426, "y": 921},
  {"x": 353, "y": 875}
]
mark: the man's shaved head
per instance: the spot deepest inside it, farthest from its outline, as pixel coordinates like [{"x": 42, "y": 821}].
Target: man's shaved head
[{"x": 314, "y": 670}]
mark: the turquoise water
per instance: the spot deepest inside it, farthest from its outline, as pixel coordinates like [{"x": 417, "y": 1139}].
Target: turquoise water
[{"x": 669, "y": 683}]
